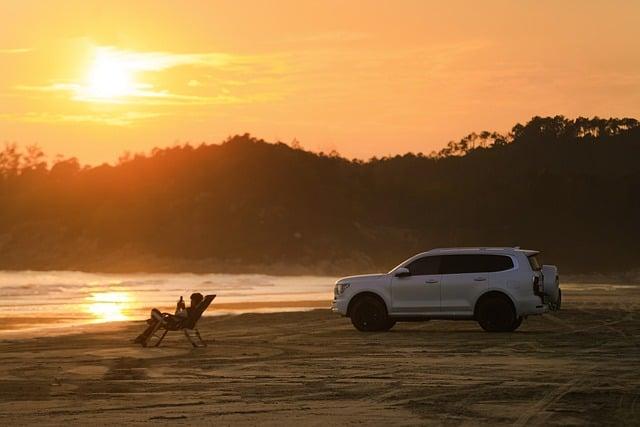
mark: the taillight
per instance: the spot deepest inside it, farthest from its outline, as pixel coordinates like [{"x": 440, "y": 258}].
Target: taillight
[{"x": 537, "y": 289}]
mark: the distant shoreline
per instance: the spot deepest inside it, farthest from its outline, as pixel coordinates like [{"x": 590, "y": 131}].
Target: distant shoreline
[
  {"x": 321, "y": 269},
  {"x": 123, "y": 264}
]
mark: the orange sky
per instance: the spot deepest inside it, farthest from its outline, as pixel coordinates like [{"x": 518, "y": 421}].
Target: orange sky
[{"x": 93, "y": 78}]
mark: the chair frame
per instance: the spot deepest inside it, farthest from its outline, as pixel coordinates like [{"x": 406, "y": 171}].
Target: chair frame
[{"x": 162, "y": 326}]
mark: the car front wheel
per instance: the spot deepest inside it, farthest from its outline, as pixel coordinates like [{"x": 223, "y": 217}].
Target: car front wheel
[
  {"x": 370, "y": 315},
  {"x": 516, "y": 324},
  {"x": 388, "y": 325}
]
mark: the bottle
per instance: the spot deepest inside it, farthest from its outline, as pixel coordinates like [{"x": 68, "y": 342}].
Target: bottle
[{"x": 181, "y": 305}]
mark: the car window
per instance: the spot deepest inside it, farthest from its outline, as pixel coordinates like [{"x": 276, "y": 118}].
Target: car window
[
  {"x": 493, "y": 263},
  {"x": 460, "y": 264},
  {"x": 534, "y": 262},
  {"x": 425, "y": 266}
]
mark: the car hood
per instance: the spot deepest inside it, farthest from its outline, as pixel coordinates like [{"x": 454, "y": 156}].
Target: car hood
[{"x": 362, "y": 278}]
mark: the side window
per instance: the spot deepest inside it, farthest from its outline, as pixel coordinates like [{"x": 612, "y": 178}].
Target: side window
[
  {"x": 460, "y": 264},
  {"x": 425, "y": 266},
  {"x": 493, "y": 263}
]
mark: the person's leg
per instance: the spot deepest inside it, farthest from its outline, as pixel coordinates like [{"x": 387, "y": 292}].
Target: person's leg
[{"x": 152, "y": 321}]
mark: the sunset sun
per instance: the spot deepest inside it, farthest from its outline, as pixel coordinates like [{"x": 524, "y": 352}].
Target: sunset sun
[
  {"x": 109, "y": 306},
  {"x": 109, "y": 78}
]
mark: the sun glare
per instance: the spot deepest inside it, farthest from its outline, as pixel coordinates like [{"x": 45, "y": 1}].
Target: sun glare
[
  {"x": 110, "y": 78},
  {"x": 109, "y": 306}
]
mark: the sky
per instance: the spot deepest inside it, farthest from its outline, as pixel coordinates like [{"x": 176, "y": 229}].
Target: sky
[{"x": 95, "y": 79}]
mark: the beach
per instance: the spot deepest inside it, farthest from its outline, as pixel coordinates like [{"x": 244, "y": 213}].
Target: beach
[
  {"x": 580, "y": 365},
  {"x": 36, "y": 303}
]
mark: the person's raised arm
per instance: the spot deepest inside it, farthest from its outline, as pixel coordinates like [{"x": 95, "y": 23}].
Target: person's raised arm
[{"x": 180, "y": 306}]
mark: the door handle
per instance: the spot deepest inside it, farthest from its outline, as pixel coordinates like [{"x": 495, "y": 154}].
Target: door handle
[
  {"x": 431, "y": 281},
  {"x": 480, "y": 279}
]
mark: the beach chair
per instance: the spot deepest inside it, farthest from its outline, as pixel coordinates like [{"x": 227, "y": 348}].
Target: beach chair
[{"x": 166, "y": 322}]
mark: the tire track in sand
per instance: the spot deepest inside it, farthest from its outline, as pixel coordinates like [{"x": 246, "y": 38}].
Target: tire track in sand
[
  {"x": 538, "y": 408},
  {"x": 537, "y": 411}
]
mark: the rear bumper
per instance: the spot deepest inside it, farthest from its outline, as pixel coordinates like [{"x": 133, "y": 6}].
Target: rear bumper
[{"x": 531, "y": 306}]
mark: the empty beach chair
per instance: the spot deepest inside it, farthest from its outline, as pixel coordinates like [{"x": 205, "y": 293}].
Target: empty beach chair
[{"x": 167, "y": 322}]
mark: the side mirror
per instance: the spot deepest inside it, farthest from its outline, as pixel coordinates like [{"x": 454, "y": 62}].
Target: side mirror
[{"x": 402, "y": 272}]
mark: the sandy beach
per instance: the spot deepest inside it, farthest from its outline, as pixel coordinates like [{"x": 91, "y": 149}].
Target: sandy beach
[{"x": 580, "y": 365}]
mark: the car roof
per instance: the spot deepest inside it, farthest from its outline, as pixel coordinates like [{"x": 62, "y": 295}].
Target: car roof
[{"x": 481, "y": 250}]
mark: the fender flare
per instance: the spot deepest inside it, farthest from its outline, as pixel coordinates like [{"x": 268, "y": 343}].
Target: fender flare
[
  {"x": 363, "y": 293},
  {"x": 502, "y": 293}
]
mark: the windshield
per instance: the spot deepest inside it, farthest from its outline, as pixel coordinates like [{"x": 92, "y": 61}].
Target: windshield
[
  {"x": 398, "y": 266},
  {"x": 535, "y": 263}
]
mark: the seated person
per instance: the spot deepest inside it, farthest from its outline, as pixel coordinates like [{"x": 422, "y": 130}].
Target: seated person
[{"x": 181, "y": 313}]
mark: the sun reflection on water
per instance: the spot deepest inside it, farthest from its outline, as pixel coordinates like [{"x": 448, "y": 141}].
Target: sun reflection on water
[{"x": 109, "y": 306}]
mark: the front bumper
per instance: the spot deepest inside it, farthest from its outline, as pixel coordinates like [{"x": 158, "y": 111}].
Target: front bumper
[{"x": 340, "y": 306}]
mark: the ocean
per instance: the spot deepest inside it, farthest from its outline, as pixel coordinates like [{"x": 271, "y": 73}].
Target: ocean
[{"x": 49, "y": 301}]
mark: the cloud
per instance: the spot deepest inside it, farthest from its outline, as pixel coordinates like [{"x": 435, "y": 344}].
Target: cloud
[
  {"x": 143, "y": 97},
  {"x": 327, "y": 37},
  {"x": 131, "y": 85},
  {"x": 112, "y": 119},
  {"x": 16, "y": 50},
  {"x": 158, "y": 61}
]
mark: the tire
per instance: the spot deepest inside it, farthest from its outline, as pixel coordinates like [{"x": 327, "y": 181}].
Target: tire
[
  {"x": 551, "y": 284},
  {"x": 388, "y": 325},
  {"x": 496, "y": 314},
  {"x": 370, "y": 315},
  {"x": 516, "y": 324},
  {"x": 559, "y": 304},
  {"x": 555, "y": 306}
]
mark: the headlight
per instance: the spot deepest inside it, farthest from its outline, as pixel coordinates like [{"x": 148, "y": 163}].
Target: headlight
[{"x": 340, "y": 288}]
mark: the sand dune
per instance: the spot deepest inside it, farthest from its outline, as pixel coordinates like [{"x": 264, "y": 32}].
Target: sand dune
[{"x": 579, "y": 365}]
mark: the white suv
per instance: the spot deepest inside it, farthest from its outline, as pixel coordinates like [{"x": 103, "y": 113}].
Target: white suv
[{"x": 498, "y": 287}]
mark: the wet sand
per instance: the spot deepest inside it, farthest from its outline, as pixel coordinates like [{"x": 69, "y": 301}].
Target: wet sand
[
  {"x": 34, "y": 325},
  {"x": 577, "y": 366}
]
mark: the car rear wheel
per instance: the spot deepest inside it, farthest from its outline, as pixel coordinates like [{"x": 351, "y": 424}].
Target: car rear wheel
[
  {"x": 496, "y": 314},
  {"x": 370, "y": 315}
]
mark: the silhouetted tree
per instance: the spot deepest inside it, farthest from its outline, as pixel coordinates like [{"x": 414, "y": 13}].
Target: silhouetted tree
[{"x": 568, "y": 187}]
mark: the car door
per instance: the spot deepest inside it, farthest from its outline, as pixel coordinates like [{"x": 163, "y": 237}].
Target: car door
[
  {"x": 419, "y": 292},
  {"x": 464, "y": 278}
]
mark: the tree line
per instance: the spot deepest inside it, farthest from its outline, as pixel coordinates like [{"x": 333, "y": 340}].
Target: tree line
[{"x": 569, "y": 187}]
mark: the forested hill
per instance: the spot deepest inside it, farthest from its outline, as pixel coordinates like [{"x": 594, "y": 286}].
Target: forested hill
[{"x": 570, "y": 188}]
